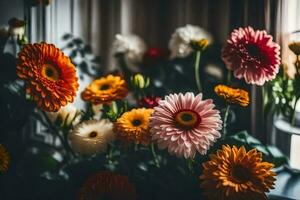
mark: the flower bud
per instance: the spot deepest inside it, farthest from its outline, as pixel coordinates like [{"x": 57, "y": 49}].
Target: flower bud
[
  {"x": 139, "y": 81},
  {"x": 66, "y": 116}
]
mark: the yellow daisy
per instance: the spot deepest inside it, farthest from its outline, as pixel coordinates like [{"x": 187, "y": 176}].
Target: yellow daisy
[
  {"x": 105, "y": 90},
  {"x": 232, "y": 95},
  {"x": 134, "y": 126}
]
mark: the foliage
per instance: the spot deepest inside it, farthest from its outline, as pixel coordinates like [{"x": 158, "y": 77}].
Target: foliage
[{"x": 82, "y": 56}]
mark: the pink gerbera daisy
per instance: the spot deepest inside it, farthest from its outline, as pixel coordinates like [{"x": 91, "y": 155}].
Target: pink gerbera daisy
[
  {"x": 252, "y": 55},
  {"x": 185, "y": 124}
]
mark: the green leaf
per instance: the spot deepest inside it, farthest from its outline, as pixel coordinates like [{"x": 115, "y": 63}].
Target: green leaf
[
  {"x": 87, "y": 49},
  {"x": 274, "y": 151},
  {"x": 77, "y": 41},
  {"x": 96, "y": 59},
  {"x": 244, "y": 137},
  {"x": 67, "y": 36},
  {"x": 48, "y": 163}
]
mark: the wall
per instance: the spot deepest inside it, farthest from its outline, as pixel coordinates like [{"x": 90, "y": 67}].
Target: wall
[{"x": 9, "y": 9}]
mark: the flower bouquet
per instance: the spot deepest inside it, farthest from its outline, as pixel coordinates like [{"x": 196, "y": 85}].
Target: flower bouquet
[{"x": 153, "y": 128}]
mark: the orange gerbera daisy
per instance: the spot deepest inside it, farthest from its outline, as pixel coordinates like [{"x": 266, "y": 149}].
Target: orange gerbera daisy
[
  {"x": 235, "y": 174},
  {"x": 232, "y": 95},
  {"x": 50, "y": 76},
  {"x": 105, "y": 90},
  {"x": 133, "y": 126},
  {"x": 107, "y": 185}
]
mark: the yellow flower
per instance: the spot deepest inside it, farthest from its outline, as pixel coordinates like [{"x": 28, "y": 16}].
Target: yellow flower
[
  {"x": 50, "y": 76},
  {"x": 234, "y": 174},
  {"x": 4, "y": 159},
  {"x": 199, "y": 45},
  {"x": 232, "y": 95},
  {"x": 133, "y": 126},
  {"x": 295, "y": 47},
  {"x": 105, "y": 90}
]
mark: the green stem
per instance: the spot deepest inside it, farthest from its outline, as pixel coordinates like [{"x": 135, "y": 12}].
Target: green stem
[
  {"x": 191, "y": 165},
  {"x": 293, "y": 117},
  {"x": 154, "y": 155},
  {"x": 197, "y": 71},
  {"x": 225, "y": 121},
  {"x": 229, "y": 77},
  {"x": 297, "y": 65},
  {"x": 110, "y": 154},
  {"x": 63, "y": 140}
]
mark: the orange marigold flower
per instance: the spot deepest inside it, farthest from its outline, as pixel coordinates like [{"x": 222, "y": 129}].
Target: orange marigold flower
[
  {"x": 133, "y": 126},
  {"x": 234, "y": 173},
  {"x": 107, "y": 185},
  {"x": 232, "y": 95},
  {"x": 4, "y": 159},
  {"x": 105, "y": 90},
  {"x": 50, "y": 76}
]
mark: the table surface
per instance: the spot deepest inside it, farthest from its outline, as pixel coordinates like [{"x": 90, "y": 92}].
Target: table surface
[{"x": 287, "y": 184}]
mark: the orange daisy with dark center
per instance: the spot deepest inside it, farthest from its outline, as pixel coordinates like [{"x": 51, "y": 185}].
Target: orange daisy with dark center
[
  {"x": 49, "y": 75},
  {"x": 105, "y": 90},
  {"x": 187, "y": 119},
  {"x": 233, "y": 173},
  {"x": 133, "y": 126}
]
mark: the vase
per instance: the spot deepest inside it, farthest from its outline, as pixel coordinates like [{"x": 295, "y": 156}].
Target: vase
[{"x": 287, "y": 138}]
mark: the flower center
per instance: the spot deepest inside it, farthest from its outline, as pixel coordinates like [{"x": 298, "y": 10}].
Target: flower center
[
  {"x": 93, "y": 134},
  {"x": 136, "y": 122},
  {"x": 187, "y": 119},
  {"x": 253, "y": 50},
  {"x": 50, "y": 72},
  {"x": 240, "y": 174},
  {"x": 104, "y": 87}
]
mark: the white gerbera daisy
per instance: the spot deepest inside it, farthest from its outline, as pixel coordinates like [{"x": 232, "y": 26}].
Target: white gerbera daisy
[
  {"x": 179, "y": 44},
  {"x": 91, "y": 136},
  {"x": 133, "y": 48},
  {"x": 66, "y": 116}
]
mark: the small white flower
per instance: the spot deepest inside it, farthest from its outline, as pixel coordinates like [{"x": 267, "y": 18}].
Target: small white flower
[
  {"x": 181, "y": 38},
  {"x": 133, "y": 48},
  {"x": 16, "y": 27},
  {"x": 66, "y": 116},
  {"x": 92, "y": 136},
  {"x": 17, "y": 32}
]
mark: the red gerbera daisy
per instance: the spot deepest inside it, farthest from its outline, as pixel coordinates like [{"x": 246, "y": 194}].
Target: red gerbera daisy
[
  {"x": 252, "y": 55},
  {"x": 149, "y": 102}
]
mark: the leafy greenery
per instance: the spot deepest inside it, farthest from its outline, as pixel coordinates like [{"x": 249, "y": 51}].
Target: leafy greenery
[{"x": 82, "y": 55}]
